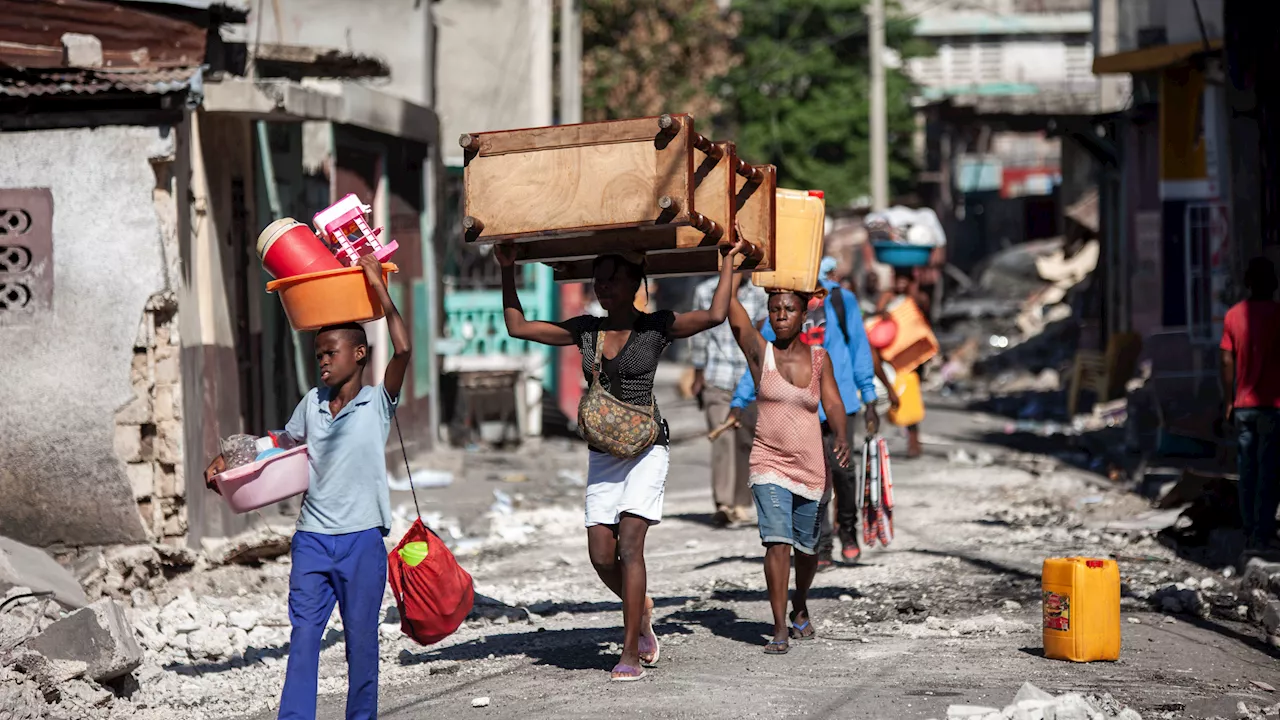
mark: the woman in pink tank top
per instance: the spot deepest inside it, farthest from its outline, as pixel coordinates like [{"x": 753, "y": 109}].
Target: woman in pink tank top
[{"x": 789, "y": 474}]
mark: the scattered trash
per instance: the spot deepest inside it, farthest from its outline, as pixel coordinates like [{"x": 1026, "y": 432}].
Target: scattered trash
[
  {"x": 480, "y": 702},
  {"x": 421, "y": 479},
  {"x": 571, "y": 477},
  {"x": 515, "y": 478},
  {"x": 980, "y": 459},
  {"x": 502, "y": 503},
  {"x": 1262, "y": 686},
  {"x": 1090, "y": 500},
  {"x": 1134, "y": 621},
  {"x": 1032, "y": 702},
  {"x": 846, "y": 598}
]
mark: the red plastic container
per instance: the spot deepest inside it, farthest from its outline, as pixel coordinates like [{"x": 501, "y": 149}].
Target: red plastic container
[
  {"x": 288, "y": 248},
  {"x": 882, "y": 334}
]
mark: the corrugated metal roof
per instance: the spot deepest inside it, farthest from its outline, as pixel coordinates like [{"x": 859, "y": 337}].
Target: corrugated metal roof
[
  {"x": 984, "y": 23},
  {"x": 78, "y": 81}
]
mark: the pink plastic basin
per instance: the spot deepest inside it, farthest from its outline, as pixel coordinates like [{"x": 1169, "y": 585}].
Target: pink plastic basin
[{"x": 262, "y": 483}]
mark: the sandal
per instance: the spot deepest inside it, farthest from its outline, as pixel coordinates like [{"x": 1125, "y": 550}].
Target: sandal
[
  {"x": 777, "y": 647},
  {"x": 803, "y": 631},
  {"x": 626, "y": 673},
  {"x": 850, "y": 553},
  {"x": 654, "y": 652}
]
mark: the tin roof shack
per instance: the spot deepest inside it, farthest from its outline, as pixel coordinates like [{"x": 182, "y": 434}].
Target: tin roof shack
[
  {"x": 137, "y": 163},
  {"x": 94, "y": 101}
]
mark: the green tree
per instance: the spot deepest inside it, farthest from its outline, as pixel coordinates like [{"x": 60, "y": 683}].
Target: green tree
[
  {"x": 647, "y": 57},
  {"x": 800, "y": 97}
]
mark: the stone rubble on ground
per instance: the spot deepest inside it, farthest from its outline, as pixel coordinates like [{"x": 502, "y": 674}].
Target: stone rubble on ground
[
  {"x": 100, "y": 636},
  {"x": 31, "y": 568},
  {"x": 1032, "y": 703}
]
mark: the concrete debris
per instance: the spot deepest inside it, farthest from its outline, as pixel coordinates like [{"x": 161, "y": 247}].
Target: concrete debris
[
  {"x": 1179, "y": 598},
  {"x": 262, "y": 543},
  {"x": 1031, "y": 693},
  {"x": 20, "y": 699},
  {"x": 49, "y": 675},
  {"x": 1032, "y": 703},
  {"x": 117, "y": 572},
  {"x": 963, "y": 712},
  {"x": 25, "y": 615},
  {"x": 980, "y": 459},
  {"x": 245, "y": 620},
  {"x": 99, "y": 635},
  {"x": 480, "y": 702},
  {"x": 24, "y": 566}
]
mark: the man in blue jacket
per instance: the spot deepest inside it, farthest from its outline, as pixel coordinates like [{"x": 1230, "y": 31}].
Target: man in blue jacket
[{"x": 836, "y": 324}]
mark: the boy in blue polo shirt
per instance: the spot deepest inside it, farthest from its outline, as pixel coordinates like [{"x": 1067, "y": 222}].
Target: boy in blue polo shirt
[{"x": 338, "y": 553}]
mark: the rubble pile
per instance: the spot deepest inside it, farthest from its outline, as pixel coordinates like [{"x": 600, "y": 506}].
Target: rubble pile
[
  {"x": 1009, "y": 331},
  {"x": 1032, "y": 703},
  {"x": 1261, "y": 587},
  {"x": 64, "y": 666}
]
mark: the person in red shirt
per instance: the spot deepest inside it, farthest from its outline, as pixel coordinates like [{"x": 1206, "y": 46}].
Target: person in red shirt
[{"x": 1251, "y": 391}]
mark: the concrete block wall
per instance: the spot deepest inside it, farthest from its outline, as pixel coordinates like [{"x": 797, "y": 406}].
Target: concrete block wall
[{"x": 148, "y": 430}]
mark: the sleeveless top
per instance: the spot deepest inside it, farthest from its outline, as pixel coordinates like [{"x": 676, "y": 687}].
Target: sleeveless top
[
  {"x": 628, "y": 375},
  {"x": 788, "y": 446}
]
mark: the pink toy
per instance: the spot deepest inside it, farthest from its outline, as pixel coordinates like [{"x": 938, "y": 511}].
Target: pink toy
[
  {"x": 345, "y": 227},
  {"x": 267, "y": 481}
]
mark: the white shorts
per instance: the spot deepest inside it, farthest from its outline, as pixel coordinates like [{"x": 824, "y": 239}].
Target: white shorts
[{"x": 635, "y": 486}]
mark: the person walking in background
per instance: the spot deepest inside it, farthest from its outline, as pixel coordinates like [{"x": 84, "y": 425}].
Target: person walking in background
[
  {"x": 903, "y": 290},
  {"x": 835, "y": 324},
  {"x": 620, "y": 354},
  {"x": 1251, "y": 392},
  {"x": 718, "y": 363},
  {"x": 870, "y": 293},
  {"x": 790, "y": 477}
]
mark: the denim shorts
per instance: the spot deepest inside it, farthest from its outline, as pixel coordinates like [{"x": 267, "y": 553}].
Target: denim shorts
[{"x": 785, "y": 517}]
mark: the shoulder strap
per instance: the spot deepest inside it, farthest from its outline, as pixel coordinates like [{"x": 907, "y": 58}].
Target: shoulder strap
[
  {"x": 599, "y": 354},
  {"x": 837, "y": 304},
  {"x": 769, "y": 363}
]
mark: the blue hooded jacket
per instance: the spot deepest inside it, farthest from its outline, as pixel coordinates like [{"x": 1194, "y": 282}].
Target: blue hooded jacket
[{"x": 850, "y": 360}]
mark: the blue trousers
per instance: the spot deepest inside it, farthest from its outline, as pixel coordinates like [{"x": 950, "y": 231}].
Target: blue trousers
[
  {"x": 351, "y": 571},
  {"x": 1259, "y": 462}
]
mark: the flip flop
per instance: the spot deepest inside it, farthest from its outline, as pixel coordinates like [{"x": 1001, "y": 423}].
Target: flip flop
[
  {"x": 630, "y": 673},
  {"x": 797, "y": 631},
  {"x": 656, "y": 650},
  {"x": 774, "y": 647}
]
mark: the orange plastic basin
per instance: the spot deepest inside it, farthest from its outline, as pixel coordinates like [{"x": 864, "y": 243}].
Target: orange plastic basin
[{"x": 331, "y": 297}]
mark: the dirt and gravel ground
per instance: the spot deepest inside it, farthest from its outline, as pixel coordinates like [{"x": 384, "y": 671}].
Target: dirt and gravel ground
[{"x": 949, "y": 614}]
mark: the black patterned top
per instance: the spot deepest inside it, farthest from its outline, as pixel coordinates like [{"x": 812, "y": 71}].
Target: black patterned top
[{"x": 629, "y": 375}]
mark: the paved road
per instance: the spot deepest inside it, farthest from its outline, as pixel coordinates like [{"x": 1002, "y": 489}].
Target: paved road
[{"x": 913, "y": 629}]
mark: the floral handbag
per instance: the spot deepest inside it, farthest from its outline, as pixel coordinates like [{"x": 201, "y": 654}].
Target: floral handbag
[{"x": 605, "y": 422}]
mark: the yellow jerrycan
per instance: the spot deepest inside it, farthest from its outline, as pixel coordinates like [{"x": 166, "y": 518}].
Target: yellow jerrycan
[
  {"x": 801, "y": 221},
  {"x": 1081, "y": 609}
]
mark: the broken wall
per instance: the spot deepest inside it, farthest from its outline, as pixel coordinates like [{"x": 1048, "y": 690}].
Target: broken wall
[{"x": 92, "y": 420}]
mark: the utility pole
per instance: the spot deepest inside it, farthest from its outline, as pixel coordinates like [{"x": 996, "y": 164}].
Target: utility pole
[
  {"x": 879, "y": 112},
  {"x": 570, "y": 62},
  {"x": 571, "y": 299}
]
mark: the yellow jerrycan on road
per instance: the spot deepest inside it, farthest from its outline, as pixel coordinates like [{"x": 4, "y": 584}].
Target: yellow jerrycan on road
[{"x": 1081, "y": 609}]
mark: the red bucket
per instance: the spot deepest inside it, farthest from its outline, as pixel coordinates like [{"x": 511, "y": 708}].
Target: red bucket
[
  {"x": 882, "y": 334},
  {"x": 288, "y": 248}
]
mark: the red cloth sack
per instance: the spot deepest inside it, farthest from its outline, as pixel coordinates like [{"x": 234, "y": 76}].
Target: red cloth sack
[{"x": 435, "y": 596}]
